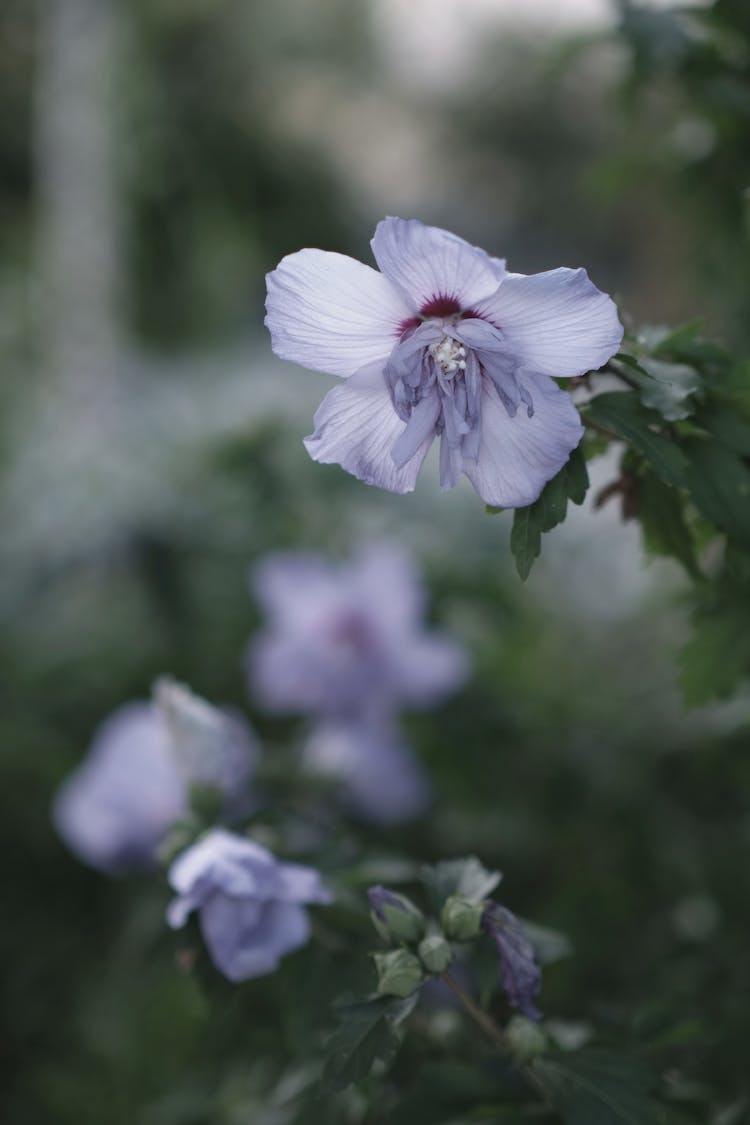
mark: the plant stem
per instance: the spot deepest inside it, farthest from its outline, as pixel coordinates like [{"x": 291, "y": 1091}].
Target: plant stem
[
  {"x": 490, "y": 1028},
  {"x": 488, "y": 1025}
]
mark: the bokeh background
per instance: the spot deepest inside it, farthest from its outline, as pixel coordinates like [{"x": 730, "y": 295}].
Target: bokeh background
[{"x": 157, "y": 158}]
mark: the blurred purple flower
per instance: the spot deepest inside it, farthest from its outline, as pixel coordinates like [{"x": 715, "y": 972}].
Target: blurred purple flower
[
  {"x": 520, "y": 974},
  {"x": 381, "y": 778},
  {"x": 348, "y": 640},
  {"x": 442, "y": 342},
  {"x": 249, "y": 903},
  {"x": 114, "y": 810}
]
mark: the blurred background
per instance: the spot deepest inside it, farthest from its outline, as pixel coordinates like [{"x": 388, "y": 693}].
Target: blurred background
[{"x": 157, "y": 158}]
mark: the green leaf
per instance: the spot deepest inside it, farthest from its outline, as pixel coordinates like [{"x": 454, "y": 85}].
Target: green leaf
[
  {"x": 683, "y": 345},
  {"x": 571, "y": 483},
  {"x": 625, "y": 416},
  {"x": 447, "y": 1092},
  {"x": 719, "y": 486},
  {"x": 662, "y": 518},
  {"x": 365, "y": 1034},
  {"x": 666, "y": 387},
  {"x": 717, "y": 657},
  {"x": 734, "y": 388},
  {"x": 728, "y": 426},
  {"x": 525, "y": 540},
  {"x": 596, "y": 1086},
  {"x": 465, "y": 877}
]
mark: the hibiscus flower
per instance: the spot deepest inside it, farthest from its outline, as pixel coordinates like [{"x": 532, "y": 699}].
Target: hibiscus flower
[{"x": 442, "y": 342}]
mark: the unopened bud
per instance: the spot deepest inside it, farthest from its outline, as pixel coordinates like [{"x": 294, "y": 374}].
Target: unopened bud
[
  {"x": 399, "y": 973},
  {"x": 394, "y": 916},
  {"x": 435, "y": 953},
  {"x": 461, "y": 918},
  {"x": 525, "y": 1038}
]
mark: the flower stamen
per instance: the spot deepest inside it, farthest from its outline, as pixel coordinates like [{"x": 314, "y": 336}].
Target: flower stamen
[{"x": 449, "y": 355}]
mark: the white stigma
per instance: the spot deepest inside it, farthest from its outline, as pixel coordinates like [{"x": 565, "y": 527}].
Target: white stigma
[{"x": 449, "y": 355}]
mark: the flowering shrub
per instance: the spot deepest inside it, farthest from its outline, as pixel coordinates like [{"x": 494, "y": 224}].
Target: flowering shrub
[{"x": 443, "y": 342}]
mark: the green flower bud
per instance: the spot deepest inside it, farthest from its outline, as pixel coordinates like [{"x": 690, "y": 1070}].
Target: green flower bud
[
  {"x": 461, "y": 918},
  {"x": 394, "y": 916},
  {"x": 435, "y": 953},
  {"x": 399, "y": 973},
  {"x": 525, "y": 1038}
]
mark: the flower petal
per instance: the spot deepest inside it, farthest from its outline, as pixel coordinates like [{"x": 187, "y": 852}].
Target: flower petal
[
  {"x": 115, "y": 808},
  {"x": 382, "y": 779},
  {"x": 356, "y": 427},
  {"x": 419, "y": 428},
  {"x": 332, "y": 313},
  {"x": 223, "y": 859},
  {"x": 428, "y": 263},
  {"x": 245, "y": 941},
  {"x": 556, "y": 323},
  {"x": 298, "y": 883},
  {"x": 518, "y": 455},
  {"x": 520, "y": 974}
]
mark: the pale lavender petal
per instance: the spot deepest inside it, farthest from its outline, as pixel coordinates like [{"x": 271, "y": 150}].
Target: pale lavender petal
[
  {"x": 356, "y": 427},
  {"x": 292, "y": 672},
  {"x": 331, "y": 313},
  {"x": 518, "y": 455},
  {"x": 381, "y": 778},
  {"x": 520, "y": 974},
  {"x": 211, "y": 746},
  {"x": 429, "y": 265},
  {"x": 384, "y": 577},
  {"x": 330, "y": 660},
  {"x": 221, "y": 859},
  {"x": 180, "y": 908},
  {"x": 431, "y": 667},
  {"x": 350, "y": 641},
  {"x": 246, "y": 941},
  {"x": 301, "y": 884},
  {"x": 451, "y": 464},
  {"x": 419, "y": 429},
  {"x": 113, "y": 811},
  {"x": 287, "y": 583},
  {"x": 556, "y": 323}
]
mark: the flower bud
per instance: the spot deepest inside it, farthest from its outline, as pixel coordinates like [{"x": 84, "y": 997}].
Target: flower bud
[
  {"x": 435, "y": 953},
  {"x": 461, "y": 918},
  {"x": 525, "y": 1038},
  {"x": 394, "y": 916},
  {"x": 399, "y": 973}
]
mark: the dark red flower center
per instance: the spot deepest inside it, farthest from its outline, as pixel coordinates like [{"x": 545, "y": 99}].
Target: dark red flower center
[{"x": 440, "y": 306}]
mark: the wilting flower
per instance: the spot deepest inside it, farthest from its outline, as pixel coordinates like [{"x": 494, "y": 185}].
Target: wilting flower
[
  {"x": 520, "y": 974},
  {"x": 347, "y": 641},
  {"x": 250, "y": 905},
  {"x": 442, "y": 342},
  {"x": 114, "y": 810}
]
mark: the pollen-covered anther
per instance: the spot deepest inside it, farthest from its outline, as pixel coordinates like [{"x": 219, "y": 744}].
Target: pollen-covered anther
[{"x": 449, "y": 355}]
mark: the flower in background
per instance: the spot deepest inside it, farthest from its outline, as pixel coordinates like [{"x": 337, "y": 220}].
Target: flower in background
[
  {"x": 250, "y": 905},
  {"x": 114, "y": 810},
  {"x": 443, "y": 342},
  {"x": 348, "y": 641},
  {"x": 346, "y": 645},
  {"x": 381, "y": 779},
  {"x": 520, "y": 974}
]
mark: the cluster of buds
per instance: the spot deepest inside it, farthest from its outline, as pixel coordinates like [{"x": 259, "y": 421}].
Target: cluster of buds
[
  {"x": 399, "y": 922},
  {"x": 424, "y": 947}
]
